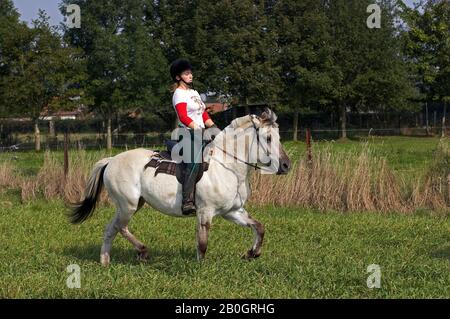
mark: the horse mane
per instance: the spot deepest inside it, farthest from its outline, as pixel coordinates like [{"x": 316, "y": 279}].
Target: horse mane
[
  {"x": 267, "y": 118},
  {"x": 240, "y": 121}
]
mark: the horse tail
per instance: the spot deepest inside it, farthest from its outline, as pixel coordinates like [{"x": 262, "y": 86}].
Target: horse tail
[{"x": 82, "y": 210}]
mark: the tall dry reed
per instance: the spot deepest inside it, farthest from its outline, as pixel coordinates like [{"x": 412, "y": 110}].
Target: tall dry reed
[
  {"x": 355, "y": 182},
  {"x": 330, "y": 181},
  {"x": 8, "y": 176}
]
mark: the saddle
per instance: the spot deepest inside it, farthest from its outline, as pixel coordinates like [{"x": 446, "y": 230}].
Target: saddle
[{"x": 164, "y": 164}]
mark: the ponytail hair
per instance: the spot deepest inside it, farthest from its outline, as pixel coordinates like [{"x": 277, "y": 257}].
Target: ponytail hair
[{"x": 174, "y": 86}]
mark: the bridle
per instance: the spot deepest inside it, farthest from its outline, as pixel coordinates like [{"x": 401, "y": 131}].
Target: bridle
[{"x": 255, "y": 166}]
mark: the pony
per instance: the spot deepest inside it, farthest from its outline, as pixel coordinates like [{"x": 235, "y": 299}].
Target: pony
[{"x": 222, "y": 191}]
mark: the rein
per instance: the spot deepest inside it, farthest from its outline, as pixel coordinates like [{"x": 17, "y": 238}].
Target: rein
[{"x": 255, "y": 166}]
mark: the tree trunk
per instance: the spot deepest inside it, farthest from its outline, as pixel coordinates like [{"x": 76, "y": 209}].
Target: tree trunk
[
  {"x": 108, "y": 134},
  {"x": 247, "y": 108},
  {"x": 118, "y": 126},
  {"x": 37, "y": 136},
  {"x": 332, "y": 120},
  {"x": 343, "y": 121},
  {"x": 51, "y": 128},
  {"x": 175, "y": 122},
  {"x": 443, "y": 119},
  {"x": 295, "y": 124},
  {"x": 434, "y": 121}
]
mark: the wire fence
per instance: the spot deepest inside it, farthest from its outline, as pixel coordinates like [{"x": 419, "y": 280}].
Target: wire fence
[
  {"x": 356, "y": 133},
  {"x": 92, "y": 141}
]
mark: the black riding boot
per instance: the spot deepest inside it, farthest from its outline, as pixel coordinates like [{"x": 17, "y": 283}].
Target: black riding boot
[{"x": 190, "y": 172}]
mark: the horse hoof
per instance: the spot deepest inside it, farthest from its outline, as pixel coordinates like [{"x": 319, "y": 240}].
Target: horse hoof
[
  {"x": 105, "y": 260},
  {"x": 142, "y": 255},
  {"x": 250, "y": 255}
]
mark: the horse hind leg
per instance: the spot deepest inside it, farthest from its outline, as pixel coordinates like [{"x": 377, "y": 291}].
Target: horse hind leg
[
  {"x": 125, "y": 232},
  {"x": 111, "y": 231},
  {"x": 140, "y": 247},
  {"x": 241, "y": 217},
  {"x": 119, "y": 223}
]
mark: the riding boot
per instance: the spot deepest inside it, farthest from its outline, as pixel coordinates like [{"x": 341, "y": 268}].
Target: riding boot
[{"x": 190, "y": 172}]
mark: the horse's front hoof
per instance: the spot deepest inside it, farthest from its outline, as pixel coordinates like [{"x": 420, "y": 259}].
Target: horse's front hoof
[
  {"x": 250, "y": 255},
  {"x": 142, "y": 255},
  {"x": 105, "y": 260}
]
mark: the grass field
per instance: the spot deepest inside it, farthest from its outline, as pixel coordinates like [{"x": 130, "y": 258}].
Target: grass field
[{"x": 307, "y": 254}]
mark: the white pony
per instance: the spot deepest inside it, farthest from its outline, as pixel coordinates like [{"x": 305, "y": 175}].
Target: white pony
[{"x": 223, "y": 189}]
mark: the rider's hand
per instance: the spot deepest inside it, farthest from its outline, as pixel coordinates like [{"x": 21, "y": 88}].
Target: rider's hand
[{"x": 209, "y": 109}]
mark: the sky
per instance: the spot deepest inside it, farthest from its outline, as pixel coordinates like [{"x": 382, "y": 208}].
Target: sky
[{"x": 28, "y": 9}]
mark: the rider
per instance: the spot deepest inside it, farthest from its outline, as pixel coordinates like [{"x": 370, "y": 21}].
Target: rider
[{"x": 192, "y": 115}]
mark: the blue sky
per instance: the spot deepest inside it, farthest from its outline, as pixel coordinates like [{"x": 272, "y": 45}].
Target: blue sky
[{"x": 28, "y": 9}]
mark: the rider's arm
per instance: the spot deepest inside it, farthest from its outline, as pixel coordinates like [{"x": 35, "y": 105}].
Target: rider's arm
[
  {"x": 207, "y": 120},
  {"x": 183, "y": 116}
]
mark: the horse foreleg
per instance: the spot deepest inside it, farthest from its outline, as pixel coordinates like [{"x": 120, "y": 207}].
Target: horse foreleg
[
  {"x": 241, "y": 217},
  {"x": 203, "y": 226}
]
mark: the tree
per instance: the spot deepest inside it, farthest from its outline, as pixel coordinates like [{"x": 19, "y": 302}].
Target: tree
[
  {"x": 242, "y": 42},
  {"x": 230, "y": 44},
  {"x": 126, "y": 68},
  {"x": 367, "y": 66},
  {"x": 428, "y": 46},
  {"x": 14, "y": 41},
  {"x": 41, "y": 73},
  {"x": 301, "y": 28}
]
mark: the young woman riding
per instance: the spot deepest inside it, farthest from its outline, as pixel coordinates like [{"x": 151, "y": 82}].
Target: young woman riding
[{"x": 192, "y": 115}]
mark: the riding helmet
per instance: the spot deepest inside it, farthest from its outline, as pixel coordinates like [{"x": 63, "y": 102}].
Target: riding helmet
[{"x": 179, "y": 66}]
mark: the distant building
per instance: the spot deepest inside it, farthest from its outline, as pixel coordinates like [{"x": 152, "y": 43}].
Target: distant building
[{"x": 80, "y": 112}]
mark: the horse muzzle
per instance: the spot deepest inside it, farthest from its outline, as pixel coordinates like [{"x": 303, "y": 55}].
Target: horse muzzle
[{"x": 285, "y": 166}]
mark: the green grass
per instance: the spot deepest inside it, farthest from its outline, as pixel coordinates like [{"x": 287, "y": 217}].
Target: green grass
[{"x": 306, "y": 255}]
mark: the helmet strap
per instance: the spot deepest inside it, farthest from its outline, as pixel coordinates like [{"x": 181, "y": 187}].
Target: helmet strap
[{"x": 189, "y": 85}]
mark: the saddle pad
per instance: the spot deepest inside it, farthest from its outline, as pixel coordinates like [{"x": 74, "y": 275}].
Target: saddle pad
[{"x": 165, "y": 166}]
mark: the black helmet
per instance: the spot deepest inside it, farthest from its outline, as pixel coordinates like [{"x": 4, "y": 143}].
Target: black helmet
[{"x": 179, "y": 66}]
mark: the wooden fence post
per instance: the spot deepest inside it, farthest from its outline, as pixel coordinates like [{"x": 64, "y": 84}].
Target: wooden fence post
[{"x": 66, "y": 155}]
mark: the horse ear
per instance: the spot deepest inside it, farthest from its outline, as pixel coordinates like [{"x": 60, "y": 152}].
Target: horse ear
[{"x": 268, "y": 116}]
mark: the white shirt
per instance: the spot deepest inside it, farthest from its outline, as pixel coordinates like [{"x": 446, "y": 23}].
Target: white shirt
[{"x": 195, "y": 105}]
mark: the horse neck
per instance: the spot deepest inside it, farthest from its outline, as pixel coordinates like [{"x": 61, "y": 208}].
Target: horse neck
[{"x": 227, "y": 161}]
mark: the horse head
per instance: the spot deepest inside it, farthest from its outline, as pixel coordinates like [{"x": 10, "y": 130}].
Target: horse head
[{"x": 262, "y": 133}]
